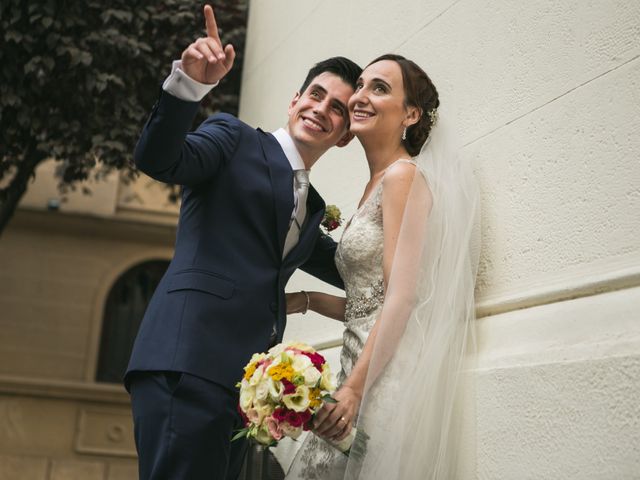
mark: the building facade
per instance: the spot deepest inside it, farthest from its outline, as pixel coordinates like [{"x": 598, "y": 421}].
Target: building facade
[{"x": 75, "y": 277}]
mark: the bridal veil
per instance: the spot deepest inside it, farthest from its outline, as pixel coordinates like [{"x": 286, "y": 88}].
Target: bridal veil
[{"x": 416, "y": 419}]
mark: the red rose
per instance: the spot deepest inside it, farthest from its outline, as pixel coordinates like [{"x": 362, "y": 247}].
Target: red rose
[
  {"x": 317, "y": 359},
  {"x": 288, "y": 387},
  {"x": 293, "y": 419},
  {"x": 244, "y": 417},
  {"x": 280, "y": 414},
  {"x": 297, "y": 419}
]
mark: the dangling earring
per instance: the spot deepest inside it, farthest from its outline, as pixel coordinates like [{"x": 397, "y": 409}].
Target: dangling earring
[{"x": 404, "y": 133}]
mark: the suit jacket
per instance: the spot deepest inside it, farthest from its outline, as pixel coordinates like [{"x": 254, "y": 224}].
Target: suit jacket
[{"x": 224, "y": 288}]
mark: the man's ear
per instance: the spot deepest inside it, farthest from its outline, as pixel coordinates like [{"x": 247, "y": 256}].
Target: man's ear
[
  {"x": 295, "y": 99},
  {"x": 344, "y": 141}
]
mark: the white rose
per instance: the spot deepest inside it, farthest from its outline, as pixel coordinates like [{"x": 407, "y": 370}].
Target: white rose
[
  {"x": 262, "y": 435},
  {"x": 262, "y": 389},
  {"x": 301, "y": 363},
  {"x": 256, "y": 377},
  {"x": 256, "y": 357},
  {"x": 275, "y": 390},
  {"x": 311, "y": 376},
  {"x": 263, "y": 410},
  {"x": 277, "y": 350},
  {"x": 247, "y": 396},
  {"x": 328, "y": 380},
  {"x": 298, "y": 401},
  {"x": 287, "y": 356}
]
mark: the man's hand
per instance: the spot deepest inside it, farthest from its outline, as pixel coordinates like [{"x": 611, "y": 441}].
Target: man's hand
[{"x": 205, "y": 60}]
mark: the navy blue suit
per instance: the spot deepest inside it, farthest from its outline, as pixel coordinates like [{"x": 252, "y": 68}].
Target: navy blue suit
[{"x": 224, "y": 289}]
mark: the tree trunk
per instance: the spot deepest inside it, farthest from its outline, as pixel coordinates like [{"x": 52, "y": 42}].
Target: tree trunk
[{"x": 11, "y": 195}]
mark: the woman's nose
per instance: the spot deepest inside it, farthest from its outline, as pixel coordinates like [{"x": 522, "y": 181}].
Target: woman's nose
[{"x": 358, "y": 98}]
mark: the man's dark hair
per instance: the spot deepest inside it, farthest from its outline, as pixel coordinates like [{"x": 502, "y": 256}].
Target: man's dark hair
[{"x": 344, "y": 68}]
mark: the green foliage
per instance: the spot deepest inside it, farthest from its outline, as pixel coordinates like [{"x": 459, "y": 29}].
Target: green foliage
[{"x": 78, "y": 78}]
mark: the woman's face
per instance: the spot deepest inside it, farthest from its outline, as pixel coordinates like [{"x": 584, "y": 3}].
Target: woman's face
[{"x": 377, "y": 106}]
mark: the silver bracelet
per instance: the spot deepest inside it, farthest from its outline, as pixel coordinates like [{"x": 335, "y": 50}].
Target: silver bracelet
[{"x": 307, "y": 306}]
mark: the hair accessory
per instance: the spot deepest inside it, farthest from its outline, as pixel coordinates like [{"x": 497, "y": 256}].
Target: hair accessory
[{"x": 433, "y": 116}]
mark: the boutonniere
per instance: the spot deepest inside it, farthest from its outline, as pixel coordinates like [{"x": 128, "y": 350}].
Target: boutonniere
[{"x": 332, "y": 219}]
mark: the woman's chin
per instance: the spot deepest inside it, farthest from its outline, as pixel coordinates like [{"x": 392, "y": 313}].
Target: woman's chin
[{"x": 362, "y": 133}]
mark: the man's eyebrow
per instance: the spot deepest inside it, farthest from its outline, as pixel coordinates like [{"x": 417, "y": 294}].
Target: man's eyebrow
[
  {"x": 317, "y": 86},
  {"x": 342, "y": 105}
]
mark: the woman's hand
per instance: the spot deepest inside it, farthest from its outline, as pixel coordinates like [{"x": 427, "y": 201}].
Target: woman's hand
[
  {"x": 335, "y": 420},
  {"x": 296, "y": 302},
  {"x": 205, "y": 60}
]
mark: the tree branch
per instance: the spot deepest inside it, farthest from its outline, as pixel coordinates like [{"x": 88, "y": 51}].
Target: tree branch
[{"x": 10, "y": 195}]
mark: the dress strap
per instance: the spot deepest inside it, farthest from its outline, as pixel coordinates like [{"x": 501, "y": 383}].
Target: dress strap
[{"x": 403, "y": 160}]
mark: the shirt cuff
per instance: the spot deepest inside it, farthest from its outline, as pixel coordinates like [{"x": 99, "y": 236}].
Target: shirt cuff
[{"x": 182, "y": 86}]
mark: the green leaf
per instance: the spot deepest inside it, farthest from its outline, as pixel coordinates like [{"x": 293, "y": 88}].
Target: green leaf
[
  {"x": 240, "y": 434},
  {"x": 13, "y": 36},
  {"x": 328, "y": 398}
]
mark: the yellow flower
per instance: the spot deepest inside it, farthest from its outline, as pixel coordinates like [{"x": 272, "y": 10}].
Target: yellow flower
[
  {"x": 280, "y": 371},
  {"x": 249, "y": 369},
  {"x": 314, "y": 398}
]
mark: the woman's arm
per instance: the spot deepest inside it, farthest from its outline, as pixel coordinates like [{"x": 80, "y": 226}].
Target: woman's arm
[
  {"x": 323, "y": 303},
  {"x": 397, "y": 185}
]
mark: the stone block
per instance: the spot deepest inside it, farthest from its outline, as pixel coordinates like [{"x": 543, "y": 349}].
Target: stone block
[
  {"x": 22, "y": 468},
  {"x": 77, "y": 470}
]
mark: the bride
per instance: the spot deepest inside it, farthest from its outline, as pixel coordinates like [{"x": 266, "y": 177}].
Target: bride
[{"x": 408, "y": 259}]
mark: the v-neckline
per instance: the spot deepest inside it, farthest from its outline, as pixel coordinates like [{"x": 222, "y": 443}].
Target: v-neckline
[{"x": 372, "y": 193}]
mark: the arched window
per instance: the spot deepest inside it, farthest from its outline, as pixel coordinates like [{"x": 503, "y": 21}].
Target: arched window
[{"x": 123, "y": 312}]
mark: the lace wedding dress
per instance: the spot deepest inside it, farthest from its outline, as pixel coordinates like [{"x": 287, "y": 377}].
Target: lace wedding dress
[{"x": 359, "y": 261}]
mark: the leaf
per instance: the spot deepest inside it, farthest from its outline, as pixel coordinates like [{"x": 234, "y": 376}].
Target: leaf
[
  {"x": 240, "y": 434},
  {"x": 13, "y": 36},
  {"x": 328, "y": 399}
]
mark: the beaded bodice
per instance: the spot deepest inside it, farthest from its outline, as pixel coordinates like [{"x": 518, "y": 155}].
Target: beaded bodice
[{"x": 359, "y": 261}]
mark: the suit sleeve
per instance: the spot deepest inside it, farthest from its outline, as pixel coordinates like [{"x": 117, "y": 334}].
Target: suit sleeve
[
  {"x": 321, "y": 264},
  {"x": 168, "y": 152}
]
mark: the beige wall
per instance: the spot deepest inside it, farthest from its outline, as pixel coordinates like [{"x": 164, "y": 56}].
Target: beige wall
[
  {"x": 546, "y": 96},
  {"x": 56, "y": 270}
]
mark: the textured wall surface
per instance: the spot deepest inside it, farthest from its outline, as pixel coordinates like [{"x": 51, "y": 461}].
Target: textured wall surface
[{"x": 545, "y": 95}]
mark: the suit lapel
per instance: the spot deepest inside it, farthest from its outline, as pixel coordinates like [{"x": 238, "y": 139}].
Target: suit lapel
[{"x": 281, "y": 182}]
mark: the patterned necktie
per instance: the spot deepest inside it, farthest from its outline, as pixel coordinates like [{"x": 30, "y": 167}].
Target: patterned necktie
[{"x": 301, "y": 182}]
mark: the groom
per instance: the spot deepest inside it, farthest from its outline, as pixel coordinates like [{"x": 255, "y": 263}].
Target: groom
[{"x": 248, "y": 219}]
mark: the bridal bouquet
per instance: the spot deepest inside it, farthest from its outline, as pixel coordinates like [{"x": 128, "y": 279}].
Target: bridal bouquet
[{"x": 281, "y": 390}]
